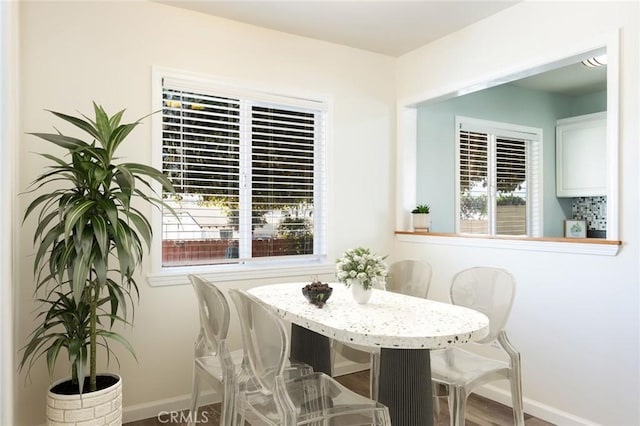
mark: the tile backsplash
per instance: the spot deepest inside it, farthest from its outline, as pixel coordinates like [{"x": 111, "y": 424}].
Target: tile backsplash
[{"x": 591, "y": 209}]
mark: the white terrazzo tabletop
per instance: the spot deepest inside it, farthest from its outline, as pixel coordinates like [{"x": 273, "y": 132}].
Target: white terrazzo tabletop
[{"x": 388, "y": 320}]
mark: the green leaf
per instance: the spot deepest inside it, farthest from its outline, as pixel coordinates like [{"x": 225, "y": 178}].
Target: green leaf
[
  {"x": 100, "y": 233},
  {"x": 78, "y": 122},
  {"x": 114, "y": 121},
  {"x": 116, "y": 300},
  {"x": 103, "y": 126},
  {"x": 151, "y": 172},
  {"x": 126, "y": 181},
  {"x": 87, "y": 240},
  {"x": 52, "y": 355},
  {"x": 100, "y": 267},
  {"x": 110, "y": 210},
  {"x": 75, "y": 214},
  {"x": 120, "y": 133},
  {"x": 55, "y": 159},
  {"x": 66, "y": 142},
  {"x": 81, "y": 363},
  {"x": 81, "y": 265},
  {"x": 35, "y": 203},
  {"x": 142, "y": 225},
  {"x": 43, "y": 223},
  {"x": 49, "y": 239},
  {"x": 115, "y": 336}
]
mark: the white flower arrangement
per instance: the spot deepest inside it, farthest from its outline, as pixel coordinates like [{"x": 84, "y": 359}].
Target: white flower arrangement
[{"x": 359, "y": 263}]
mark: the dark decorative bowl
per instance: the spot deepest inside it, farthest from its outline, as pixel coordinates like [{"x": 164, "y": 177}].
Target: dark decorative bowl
[{"x": 317, "y": 295}]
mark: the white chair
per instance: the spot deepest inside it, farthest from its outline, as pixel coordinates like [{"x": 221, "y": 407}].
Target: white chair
[
  {"x": 411, "y": 277},
  {"x": 273, "y": 399},
  {"x": 490, "y": 291},
  {"x": 212, "y": 358}
]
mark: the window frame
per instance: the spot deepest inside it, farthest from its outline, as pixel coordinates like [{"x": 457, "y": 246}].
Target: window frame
[
  {"x": 534, "y": 170},
  {"x": 303, "y": 266}
]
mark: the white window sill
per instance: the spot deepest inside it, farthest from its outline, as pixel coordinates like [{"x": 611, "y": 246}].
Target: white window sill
[
  {"x": 590, "y": 246},
  {"x": 221, "y": 273}
]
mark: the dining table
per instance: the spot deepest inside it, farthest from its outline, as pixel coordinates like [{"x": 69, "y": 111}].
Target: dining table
[{"x": 404, "y": 328}]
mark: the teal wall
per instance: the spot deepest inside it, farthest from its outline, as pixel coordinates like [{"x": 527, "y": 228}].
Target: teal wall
[
  {"x": 507, "y": 103},
  {"x": 588, "y": 104}
]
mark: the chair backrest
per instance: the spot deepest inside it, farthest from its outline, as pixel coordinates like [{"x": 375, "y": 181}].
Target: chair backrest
[
  {"x": 265, "y": 339},
  {"x": 214, "y": 313},
  {"x": 487, "y": 290},
  {"x": 411, "y": 277}
]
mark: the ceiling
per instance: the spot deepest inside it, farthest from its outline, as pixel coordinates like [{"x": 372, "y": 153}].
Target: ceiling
[
  {"x": 391, "y": 27},
  {"x": 572, "y": 80}
]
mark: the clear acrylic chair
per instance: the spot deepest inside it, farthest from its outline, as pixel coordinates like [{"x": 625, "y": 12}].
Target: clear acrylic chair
[
  {"x": 212, "y": 359},
  {"x": 490, "y": 291},
  {"x": 276, "y": 400},
  {"x": 409, "y": 276}
]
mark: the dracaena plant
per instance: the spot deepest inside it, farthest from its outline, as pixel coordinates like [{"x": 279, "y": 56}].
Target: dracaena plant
[{"x": 90, "y": 241}]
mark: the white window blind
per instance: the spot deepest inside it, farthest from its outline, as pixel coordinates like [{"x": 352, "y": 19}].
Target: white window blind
[
  {"x": 248, "y": 173},
  {"x": 497, "y": 178}
]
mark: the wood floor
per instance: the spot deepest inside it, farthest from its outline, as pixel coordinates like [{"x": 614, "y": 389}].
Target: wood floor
[{"x": 480, "y": 411}]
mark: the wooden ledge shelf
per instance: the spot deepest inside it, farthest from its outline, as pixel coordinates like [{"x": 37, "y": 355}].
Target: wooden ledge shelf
[{"x": 595, "y": 246}]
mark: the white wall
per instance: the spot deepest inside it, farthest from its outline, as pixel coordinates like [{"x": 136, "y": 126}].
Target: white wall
[
  {"x": 576, "y": 317},
  {"x": 76, "y": 52},
  {"x": 8, "y": 132}
]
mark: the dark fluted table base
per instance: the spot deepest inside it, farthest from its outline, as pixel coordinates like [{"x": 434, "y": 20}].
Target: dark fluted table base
[
  {"x": 405, "y": 376},
  {"x": 405, "y": 386},
  {"x": 311, "y": 348}
]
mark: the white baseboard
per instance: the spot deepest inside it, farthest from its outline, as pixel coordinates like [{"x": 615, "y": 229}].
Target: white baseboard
[
  {"x": 542, "y": 411},
  {"x": 162, "y": 407},
  {"x": 348, "y": 367},
  {"x": 535, "y": 408}
]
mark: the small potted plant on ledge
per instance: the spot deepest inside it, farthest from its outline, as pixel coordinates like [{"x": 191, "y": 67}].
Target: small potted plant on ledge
[
  {"x": 90, "y": 240},
  {"x": 420, "y": 218}
]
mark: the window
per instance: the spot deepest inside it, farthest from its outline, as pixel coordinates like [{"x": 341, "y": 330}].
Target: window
[
  {"x": 248, "y": 169},
  {"x": 498, "y": 178}
]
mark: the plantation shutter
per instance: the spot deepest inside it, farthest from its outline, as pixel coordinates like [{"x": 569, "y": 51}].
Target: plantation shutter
[
  {"x": 498, "y": 179},
  {"x": 201, "y": 156},
  {"x": 248, "y": 172},
  {"x": 474, "y": 182},
  {"x": 511, "y": 184},
  {"x": 534, "y": 188},
  {"x": 282, "y": 167}
]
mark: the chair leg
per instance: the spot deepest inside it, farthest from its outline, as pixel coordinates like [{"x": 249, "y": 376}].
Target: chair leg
[
  {"x": 516, "y": 397},
  {"x": 238, "y": 414},
  {"x": 435, "y": 390},
  {"x": 332, "y": 355},
  {"x": 228, "y": 400},
  {"x": 195, "y": 395},
  {"x": 457, "y": 402},
  {"x": 374, "y": 375}
]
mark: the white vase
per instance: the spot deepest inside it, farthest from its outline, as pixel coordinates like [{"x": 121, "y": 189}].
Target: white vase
[
  {"x": 421, "y": 222},
  {"x": 359, "y": 293}
]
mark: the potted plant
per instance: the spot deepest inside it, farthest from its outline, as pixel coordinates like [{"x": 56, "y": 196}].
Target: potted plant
[
  {"x": 90, "y": 242},
  {"x": 420, "y": 218},
  {"x": 360, "y": 269}
]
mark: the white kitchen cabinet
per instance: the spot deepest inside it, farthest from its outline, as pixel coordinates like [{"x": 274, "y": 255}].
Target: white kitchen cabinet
[{"x": 581, "y": 156}]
